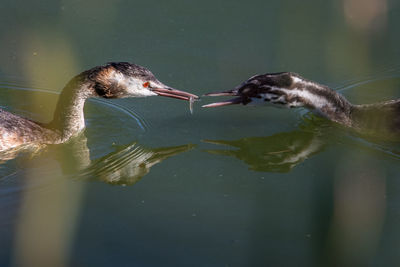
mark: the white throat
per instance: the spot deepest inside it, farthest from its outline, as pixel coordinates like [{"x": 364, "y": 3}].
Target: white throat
[{"x": 134, "y": 87}]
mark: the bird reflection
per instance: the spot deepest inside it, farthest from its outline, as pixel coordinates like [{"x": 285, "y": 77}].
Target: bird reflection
[
  {"x": 280, "y": 152},
  {"x": 126, "y": 165},
  {"x": 129, "y": 163},
  {"x": 283, "y": 151},
  {"x": 276, "y": 153},
  {"x": 20, "y": 152}
]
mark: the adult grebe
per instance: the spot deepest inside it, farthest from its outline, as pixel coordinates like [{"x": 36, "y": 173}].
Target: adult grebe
[
  {"x": 290, "y": 90},
  {"x": 113, "y": 80}
]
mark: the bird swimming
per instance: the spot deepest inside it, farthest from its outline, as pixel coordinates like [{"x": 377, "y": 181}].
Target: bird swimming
[
  {"x": 290, "y": 90},
  {"x": 113, "y": 80}
]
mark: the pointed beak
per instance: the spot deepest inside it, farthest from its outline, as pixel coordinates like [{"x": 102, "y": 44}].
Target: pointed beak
[
  {"x": 236, "y": 100},
  {"x": 171, "y": 92},
  {"x": 226, "y": 93}
]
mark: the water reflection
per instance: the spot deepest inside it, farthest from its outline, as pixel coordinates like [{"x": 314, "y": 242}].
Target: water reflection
[
  {"x": 14, "y": 152},
  {"x": 276, "y": 153},
  {"x": 129, "y": 163},
  {"x": 126, "y": 165},
  {"x": 283, "y": 151},
  {"x": 279, "y": 152}
]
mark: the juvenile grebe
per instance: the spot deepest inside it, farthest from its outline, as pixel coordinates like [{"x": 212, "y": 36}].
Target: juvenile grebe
[
  {"x": 290, "y": 90},
  {"x": 113, "y": 80}
]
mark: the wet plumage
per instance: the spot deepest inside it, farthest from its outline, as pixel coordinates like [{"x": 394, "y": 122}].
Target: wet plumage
[
  {"x": 113, "y": 80},
  {"x": 290, "y": 90}
]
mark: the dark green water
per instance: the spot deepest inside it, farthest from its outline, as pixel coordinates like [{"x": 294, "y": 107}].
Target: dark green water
[{"x": 149, "y": 184}]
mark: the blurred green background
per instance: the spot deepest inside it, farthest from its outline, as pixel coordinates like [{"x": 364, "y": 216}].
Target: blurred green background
[{"x": 261, "y": 187}]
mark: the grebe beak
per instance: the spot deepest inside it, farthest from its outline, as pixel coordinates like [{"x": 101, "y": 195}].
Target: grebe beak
[
  {"x": 174, "y": 93},
  {"x": 237, "y": 100}
]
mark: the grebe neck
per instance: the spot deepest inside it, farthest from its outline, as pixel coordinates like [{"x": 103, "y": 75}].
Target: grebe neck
[
  {"x": 68, "y": 117},
  {"x": 321, "y": 100},
  {"x": 290, "y": 90},
  {"x": 112, "y": 80}
]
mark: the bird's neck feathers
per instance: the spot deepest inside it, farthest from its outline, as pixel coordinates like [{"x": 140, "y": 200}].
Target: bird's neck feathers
[{"x": 320, "y": 99}]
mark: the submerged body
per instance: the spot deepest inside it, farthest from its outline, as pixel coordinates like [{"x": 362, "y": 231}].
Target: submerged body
[
  {"x": 290, "y": 90},
  {"x": 113, "y": 80}
]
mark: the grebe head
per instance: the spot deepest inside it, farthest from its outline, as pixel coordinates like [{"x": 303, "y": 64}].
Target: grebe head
[
  {"x": 122, "y": 79},
  {"x": 283, "y": 89}
]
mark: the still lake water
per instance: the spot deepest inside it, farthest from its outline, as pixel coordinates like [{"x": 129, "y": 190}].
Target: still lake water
[{"x": 149, "y": 184}]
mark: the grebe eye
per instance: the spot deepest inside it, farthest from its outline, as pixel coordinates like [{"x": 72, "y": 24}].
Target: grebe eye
[{"x": 146, "y": 84}]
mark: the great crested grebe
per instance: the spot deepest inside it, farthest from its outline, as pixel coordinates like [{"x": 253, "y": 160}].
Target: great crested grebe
[
  {"x": 113, "y": 80},
  {"x": 290, "y": 90}
]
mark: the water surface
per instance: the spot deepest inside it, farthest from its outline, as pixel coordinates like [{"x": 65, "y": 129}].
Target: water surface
[{"x": 149, "y": 184}]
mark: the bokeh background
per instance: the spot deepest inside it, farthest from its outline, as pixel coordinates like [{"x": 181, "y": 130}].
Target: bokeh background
[{"x": 237, "y": 186}]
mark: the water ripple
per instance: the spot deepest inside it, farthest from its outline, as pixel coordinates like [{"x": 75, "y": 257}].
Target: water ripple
[
  {"x": 131, "y": 113},
  {"x": 384, "y": 74}
]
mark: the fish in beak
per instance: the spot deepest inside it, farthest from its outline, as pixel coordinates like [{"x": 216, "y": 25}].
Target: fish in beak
[{"x": 174, "y": 93}]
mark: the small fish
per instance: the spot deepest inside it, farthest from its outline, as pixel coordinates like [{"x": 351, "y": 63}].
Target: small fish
[{"x": 191, "y": 101}]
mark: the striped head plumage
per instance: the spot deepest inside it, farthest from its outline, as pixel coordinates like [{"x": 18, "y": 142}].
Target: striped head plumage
[{"x": 284, "y": 89}]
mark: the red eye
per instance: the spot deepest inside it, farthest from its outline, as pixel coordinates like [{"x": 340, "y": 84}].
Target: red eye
[{"x": 146, "y": 84}]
